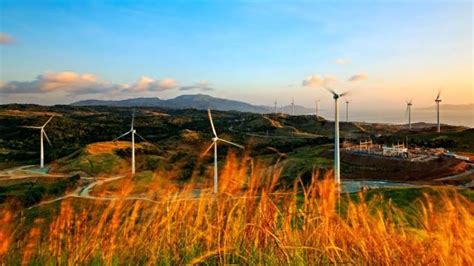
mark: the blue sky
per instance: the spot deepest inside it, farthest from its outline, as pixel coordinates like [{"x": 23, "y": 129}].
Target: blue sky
[{"x": 248, "y": 50}]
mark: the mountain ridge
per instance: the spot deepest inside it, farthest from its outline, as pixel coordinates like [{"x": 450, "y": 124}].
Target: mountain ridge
[
  {"x": 467, "y": 106},
  {"x": 194, "y": 101}
]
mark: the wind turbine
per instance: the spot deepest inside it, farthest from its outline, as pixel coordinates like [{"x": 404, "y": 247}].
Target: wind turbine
[
  {"x": 42, "y": 133},
  {"x": 438, "y": 100},
  {"x": 347, "y": 110},
  {"x": 317, "y": 108},
  {"x": 292, "y": 106},
  {"x": 409, "y": 104},
  {"x": 133, "y": 132},
  {"x": 276, "y": 105},
  {"x": 216, "y": 139},
  {"x": 337, "y": 163}
]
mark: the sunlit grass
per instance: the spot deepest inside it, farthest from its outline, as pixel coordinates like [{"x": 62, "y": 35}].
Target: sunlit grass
[{"x": 252, "y": 221}]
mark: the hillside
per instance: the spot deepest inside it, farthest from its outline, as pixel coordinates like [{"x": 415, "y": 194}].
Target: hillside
[
  {"x": 196, "y": 101},
  {"x": 107, "y": 158}
]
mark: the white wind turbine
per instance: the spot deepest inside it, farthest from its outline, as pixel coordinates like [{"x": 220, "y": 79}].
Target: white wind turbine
[
  {"x": 292, "y": 106},
  {"x": 409, "y": 104},
  {"x": 216, "y": 139},
  {"x": 438, "y": 100},
  {"x": 337, "y": 162},
  {"x": 42, "y": 133},
  {"x": 347, "y": 110},
  {"x": 276, "y": 105},
  {"x": 133, "y": 132}
]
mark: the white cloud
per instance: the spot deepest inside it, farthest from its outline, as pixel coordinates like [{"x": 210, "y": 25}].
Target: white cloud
[
  {"x": 358, "y": 77},
  {"x": 342, "y": 61},
  {"x": 315, "y": 81},
  {"x": 203, "y": 85},
  {"x": 69, "y": 82},
  {"x": 5, "y": 38},
  {"x": 75, "y": 83},
  {"x": 145, "y": 84},
  {"x": 167, "y": 84}
]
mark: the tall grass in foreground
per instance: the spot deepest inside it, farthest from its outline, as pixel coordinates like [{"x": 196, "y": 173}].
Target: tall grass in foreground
[{"x": 253, "y": 223}]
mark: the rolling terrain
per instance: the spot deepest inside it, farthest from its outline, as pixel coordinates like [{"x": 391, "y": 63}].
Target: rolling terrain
[
  {"x": 275, "y": 190},
  {"x": 197, "y": 101}
]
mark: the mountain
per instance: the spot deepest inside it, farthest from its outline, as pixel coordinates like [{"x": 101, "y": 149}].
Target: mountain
[
  {"x": 201, "y": 101},
  {"x": 299, "y": 110},
  {"x": 196, "y": 101},
  {"x": 453, "y": 107},
  {"x": 148, "y": 102}
]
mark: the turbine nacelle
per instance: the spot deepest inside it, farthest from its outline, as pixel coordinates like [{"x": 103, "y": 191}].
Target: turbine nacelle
[
  {"x": 437, "y": 96},
  {"x": 335, "y": 94}
]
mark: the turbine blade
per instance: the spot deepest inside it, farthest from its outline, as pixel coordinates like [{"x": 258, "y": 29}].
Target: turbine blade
[
  {"x": 30, "y": 127},
  {"x": 439, "y": 94},
  {"x": 231, "y": 143},
  {"x": 345, "y": 93},
  {"x": 331, "y": 91},
  {"x": 208, "y": 148},
  {"x": 46, "y": 136},
  {"x": 145, "y": 139},
  {"x": 123, "y": 135},
  {"x": 212, "y": 122},
  {"x": 48, "y": 121}
]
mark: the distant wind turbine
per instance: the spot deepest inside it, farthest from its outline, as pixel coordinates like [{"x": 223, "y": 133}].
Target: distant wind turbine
[
  {"x": 347, "y": 110},
  {"x": 133, "y": 132},
  {"x": 276, "y": 110},
  {"x": 438, "y": 100},
  {"x": 216, "y": 139},
  {"x": 292, "y": 106},
  {"x": 337, "y": 163},
  {"x": 42, "y": 133},
  {"x": 409, "y": 104}
]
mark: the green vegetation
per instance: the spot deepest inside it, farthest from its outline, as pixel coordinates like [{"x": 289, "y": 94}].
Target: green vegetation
[{"x": 29, "y": 192}]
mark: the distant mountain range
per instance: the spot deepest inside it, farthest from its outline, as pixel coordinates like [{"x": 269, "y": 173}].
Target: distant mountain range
[
  {"x": 197, "y": 101},
  {"x": 452, "y": 107}
]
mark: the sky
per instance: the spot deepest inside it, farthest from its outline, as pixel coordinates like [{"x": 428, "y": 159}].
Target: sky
[{"x": 383, "y": 52}]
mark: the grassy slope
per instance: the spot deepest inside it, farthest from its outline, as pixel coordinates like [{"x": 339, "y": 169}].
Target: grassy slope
[{"x": 31, "y": 191}]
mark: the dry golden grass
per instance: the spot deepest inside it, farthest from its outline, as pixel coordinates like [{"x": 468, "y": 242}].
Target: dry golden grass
[
  {"x": 20, "y": 113},
  {"x": 249, "y": 222},
  {"x": 109, "y": 147}
]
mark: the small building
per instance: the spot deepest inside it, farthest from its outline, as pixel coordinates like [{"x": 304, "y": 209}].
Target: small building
[{"x": 398, "y": 150}]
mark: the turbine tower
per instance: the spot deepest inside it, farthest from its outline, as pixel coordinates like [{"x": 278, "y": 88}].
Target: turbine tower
[
  {"x": 42, "y": 133},
  {"x": 409, "y": 104},
  {"x": 347, "y": 110},
  {"x": 438, "y": 100},
  {"x": 276, "y": 106},
  {"x": 292, "y": 106},
  {"x": 337, "y": 163},
  {"x": 133, "y": 132},
  {"x": 216, "y": 139}
]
